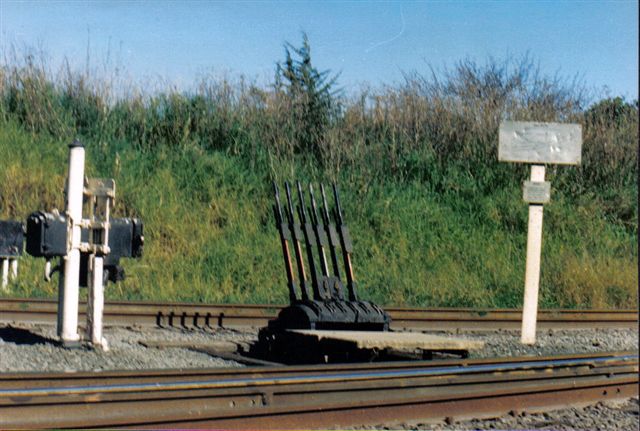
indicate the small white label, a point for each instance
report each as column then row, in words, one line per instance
column 535, row 192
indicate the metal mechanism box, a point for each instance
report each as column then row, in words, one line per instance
column 126, row 239
column 47, row 237
column 323, row 290
column 320, row 299
column 11, row 238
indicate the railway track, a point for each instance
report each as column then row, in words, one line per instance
column 17, row 310
column 314, row 396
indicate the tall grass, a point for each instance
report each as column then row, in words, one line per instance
column 436, row 219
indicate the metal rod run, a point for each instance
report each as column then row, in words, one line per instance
column 21, row 310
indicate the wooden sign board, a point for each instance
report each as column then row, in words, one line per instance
column 536, row 192
column 540, row 143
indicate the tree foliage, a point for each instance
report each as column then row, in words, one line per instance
column 311, row 93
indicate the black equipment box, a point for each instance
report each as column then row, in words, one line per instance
column 11, row 238
column 47, row 237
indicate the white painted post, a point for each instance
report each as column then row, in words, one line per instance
column 537, row 144
column 5, row 272
column 100, row 195
column 95, row 305
column 47, row 270
column 68, row 316
column 9, row 271
column 14, row 269
column 532, row 272
column 60, row 294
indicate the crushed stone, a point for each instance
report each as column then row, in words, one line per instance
column 34, row 348
column 613, row 415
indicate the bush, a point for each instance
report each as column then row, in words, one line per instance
column 436, row 219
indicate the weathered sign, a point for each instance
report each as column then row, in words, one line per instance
column 531, row 142
column 537, row 144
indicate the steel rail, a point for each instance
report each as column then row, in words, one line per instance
column 327, row 397
column 309, row 378
column 18, row 310
column 12, row 380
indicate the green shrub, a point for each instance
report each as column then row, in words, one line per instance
column 436, row 219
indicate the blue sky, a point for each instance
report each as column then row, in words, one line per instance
column 369, row 42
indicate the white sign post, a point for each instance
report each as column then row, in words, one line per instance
column 537, row 144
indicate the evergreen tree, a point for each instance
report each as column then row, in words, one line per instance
column 312, row 95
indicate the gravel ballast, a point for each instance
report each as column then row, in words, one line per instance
column 507, row 343
column 35, row 349
column 615, row 415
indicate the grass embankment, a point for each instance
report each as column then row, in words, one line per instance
column 437, row 221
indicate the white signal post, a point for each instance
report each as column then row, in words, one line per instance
column 100, row 195
column 14, row 269
column 9, row 270
column 537, row 144
column 95, row 303
column 69, row 281
column 5, row 272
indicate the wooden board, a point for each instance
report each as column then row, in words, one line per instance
column 393, row 340
column 540, row 143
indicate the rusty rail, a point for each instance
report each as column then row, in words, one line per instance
column 16, row 380
column 18, row 310
column 315, row 396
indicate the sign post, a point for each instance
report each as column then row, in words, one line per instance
column 537, row 144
